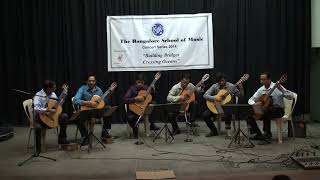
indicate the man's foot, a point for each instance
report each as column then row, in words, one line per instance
column 153, row 127
column 267, row 135
column 105, row 135
column 212, row 133
column 257, row 137
column 63, row 141
column 193, row 124
column 176, row 131
column 82, row 142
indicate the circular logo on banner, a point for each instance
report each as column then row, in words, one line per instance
column 157, row 29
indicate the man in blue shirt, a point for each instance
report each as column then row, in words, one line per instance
column 83, row 97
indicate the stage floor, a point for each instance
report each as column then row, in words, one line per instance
column 205, row 158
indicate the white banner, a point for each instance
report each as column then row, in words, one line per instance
column 160, row 42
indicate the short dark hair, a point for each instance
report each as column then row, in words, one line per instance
column 140, row 77
column 48, row 84
column 220, row 76
column 186, row 76
column 267, row 74
column 91, row 74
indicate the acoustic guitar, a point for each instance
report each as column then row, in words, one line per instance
column 266, row 99
column 139, row 107
column 99, row 100
column 52, row 119
column 189, row 95
column 223, row 97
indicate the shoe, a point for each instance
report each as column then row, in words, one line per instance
column 257, row 137
column 105, row 134
column 82, row 142
column 267, row 135
column 212, row 133
column 263, row 142
column 63, row 141
column 176, row 131
column 153, row 127
column 193, row 124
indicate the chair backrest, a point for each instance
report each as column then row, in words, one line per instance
column 27, row 106
column 289, row 105
column 73, row 105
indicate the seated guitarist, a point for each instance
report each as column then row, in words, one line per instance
column 275, row 111
column 174, row 97
column 83, row 97
column 209, row 95
column 41, row 100
column 131, row 96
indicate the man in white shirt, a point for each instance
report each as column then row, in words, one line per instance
column 275, row 111
column 40, row 102
column 174, row 96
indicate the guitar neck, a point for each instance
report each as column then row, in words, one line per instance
column 149, row 88
column 104, row 95
column 230, row 89
column 272, row 89
column 60, row 101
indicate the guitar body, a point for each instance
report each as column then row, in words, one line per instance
column 51, row 120
column 191, row 98
column 212, row 106
column 224, row 100
column 266, row 103
column 139, row 107
column 94, row 99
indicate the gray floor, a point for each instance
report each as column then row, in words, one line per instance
column 204, row 157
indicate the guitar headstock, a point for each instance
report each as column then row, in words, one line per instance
column 243, row 78
column 65, row 88
column 205, row 77
column 157, row 76
column 113, row 86
column 282, row 79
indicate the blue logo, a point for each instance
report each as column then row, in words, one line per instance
column 157, row 29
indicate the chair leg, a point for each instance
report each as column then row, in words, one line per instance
column 31, row 129
column 292, row 128
column 146, row 125
column 279, row 131
column 128, row 130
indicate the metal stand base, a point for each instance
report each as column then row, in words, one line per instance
column 35, row 156
column 89, row 137
column 167, row 131
column 237, row 136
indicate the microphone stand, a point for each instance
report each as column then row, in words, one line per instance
column 35, row 153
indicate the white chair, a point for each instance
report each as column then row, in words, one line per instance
column 288, row 110
column 27, row 106
column 145, row 121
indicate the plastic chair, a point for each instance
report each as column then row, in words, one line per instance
column 288, row 110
